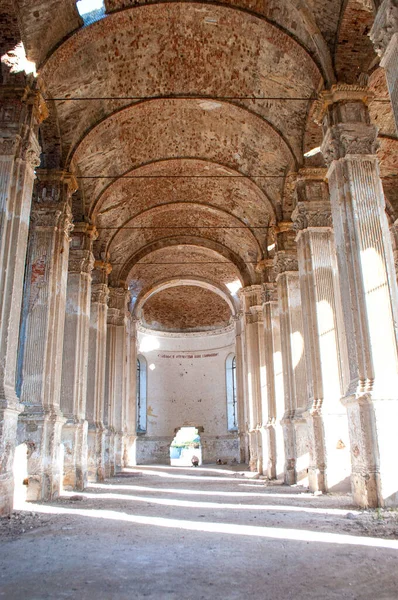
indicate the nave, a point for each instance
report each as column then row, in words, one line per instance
column 212, row 532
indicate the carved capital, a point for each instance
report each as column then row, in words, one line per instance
column 312, row 214
column 385, row 26
column 118, row 299
column 101, row 271
column 284, row 262
column 270, row 292
column 99, row 293
column 83, row 236
column 54, row 186
column 348, row 139
column 250, row 296
column 80, row 261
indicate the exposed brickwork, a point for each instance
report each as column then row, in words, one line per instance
column 186, row 308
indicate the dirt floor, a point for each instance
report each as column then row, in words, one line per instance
column 191, row 534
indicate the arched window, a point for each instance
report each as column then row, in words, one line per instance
column 232, row 401
column 141, row 394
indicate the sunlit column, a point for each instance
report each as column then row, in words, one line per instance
column 293, row 356
column 368, row 292
column 384, row 35
column 269, row 412
column 42, row 331
column 20, row 112
column 327, row 420
column 96, row 372
column 116, row 380
column 75, row 356
column 251, row 301
column 240, row 393
column 131, row 392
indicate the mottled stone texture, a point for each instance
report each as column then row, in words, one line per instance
column 384, row 35
column 42, row 330
column 96, row 372
column 75, row 356
column 293, row 359
column 325, row 349
column 19, row 151
column 369, row 293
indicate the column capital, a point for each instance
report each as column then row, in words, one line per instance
column 285, row 262
column 101, row 271
column 80, row 261
column 270, row 292
column 346, row 123
column 385, row 26
column 118, row 299
column 52, row 216
column 99, row 293
column 53, row 185
column 308, row 215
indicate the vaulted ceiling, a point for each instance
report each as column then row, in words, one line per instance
column 184, row 122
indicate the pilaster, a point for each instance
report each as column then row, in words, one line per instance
column 19, row 155
column 368, row 293
column 293, row 356
column 75, row 355
column 384, row 35
column 321, row 308
column 96, row 371
column 42, row 331
column 251, row 302
column 116, row 393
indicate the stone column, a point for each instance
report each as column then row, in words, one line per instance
column 239, row 354
column 20, row 113
column 251, row 299
column 368, row 291
column 384, row 35
column 325, row 354
column 75, row 356
column 116, row 376
column 269, row 411
column 42, row 331
column 131, row 392
column 96, row 371
column 293, row 357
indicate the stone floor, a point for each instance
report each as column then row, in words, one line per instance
column 190, row 534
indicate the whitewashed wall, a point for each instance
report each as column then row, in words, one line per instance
column 186, row 386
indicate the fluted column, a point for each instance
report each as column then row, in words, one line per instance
column 116, row 396
column 96, row 372
column 131, row 392
column 20, row 113
column 368, row 291
column 241, row 406
column 325, row 354
column 75, row 356
column 293, row 357
column 42, row 331
column 384, row 35
column 251, row 300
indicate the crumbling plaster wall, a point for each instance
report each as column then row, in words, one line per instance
column 186, row 387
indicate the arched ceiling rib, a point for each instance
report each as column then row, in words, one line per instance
column 123, row 271
column 183, row 306
column 165, row 129
column 181, row 262
column 173, row 49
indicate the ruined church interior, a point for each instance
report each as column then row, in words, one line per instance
column 198, row 299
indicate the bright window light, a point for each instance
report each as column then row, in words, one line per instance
column 87, row 6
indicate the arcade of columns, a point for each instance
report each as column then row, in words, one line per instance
column 316, row 341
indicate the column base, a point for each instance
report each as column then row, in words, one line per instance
column 129, row 450
column 41, row 432
column 74, row 439
column 110, row 467
column 289, row 436
column 96, row 452
column 255, row 459
column 119, row 451
column 8, row 434
column 269, row 442
column 374, row 448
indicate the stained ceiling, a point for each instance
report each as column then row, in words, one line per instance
column 184, row 123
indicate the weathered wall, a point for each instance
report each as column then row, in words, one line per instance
column 186, row 387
